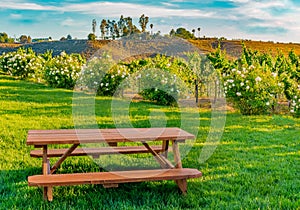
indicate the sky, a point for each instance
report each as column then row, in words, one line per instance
column 266, row 20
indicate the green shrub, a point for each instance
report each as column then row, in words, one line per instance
column 23, row 63
column 295, row 101
column 159, row 86
column 63, row 71
column 253, row 90
column 155, row 78
column 103, row 76
column 162, row 79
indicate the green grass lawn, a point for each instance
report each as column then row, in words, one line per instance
column 255, row 166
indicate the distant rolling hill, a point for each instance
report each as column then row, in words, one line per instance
column 88, row 48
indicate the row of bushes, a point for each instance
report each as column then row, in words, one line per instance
column 59, row 71
column 161, row 79
column 254, row 83
column 101, row 74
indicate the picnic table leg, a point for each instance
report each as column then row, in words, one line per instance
column 46, row 170
column 181, row 183
column 164, row 162
column 165, row 148
column 176, row 152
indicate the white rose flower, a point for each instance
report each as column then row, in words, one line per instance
column 251, row 67
column 258, row 79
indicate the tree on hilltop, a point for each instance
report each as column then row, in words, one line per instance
column 112, row 29
column 91, row 36
column 172, row 32
column 121, row 25
column 3, row 37
column 25, row 39
column 103, row 28
column 94, row 25
column 69, row 37
column 151, row 27
column 143, row 21
column 183, row 33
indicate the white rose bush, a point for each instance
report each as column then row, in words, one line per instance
column 163, row 79
column 24, row 64
column 295, row 102
column 103, row 76
column 257, row 81
column 252, row 89
column 60, row 71
column 63, row 71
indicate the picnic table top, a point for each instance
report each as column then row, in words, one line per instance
column 81, row 136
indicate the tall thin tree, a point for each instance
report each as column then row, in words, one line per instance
column 103, row 28
column 143, row 21
column 129, row 24
column 121, row 25
column 151, row 27
column 94, row 25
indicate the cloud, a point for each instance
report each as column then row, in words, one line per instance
column 111, row 9
column 69, row 22
column 266, row 30
column 16, row 16
column 265, row 16
column 176, row 1
column 19, row 5
column 167, row 4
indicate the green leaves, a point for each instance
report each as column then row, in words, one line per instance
column 257, row 81
column 63, row 71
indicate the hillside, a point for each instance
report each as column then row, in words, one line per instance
column 234, row 47
column 88, row 48
column 69, row 46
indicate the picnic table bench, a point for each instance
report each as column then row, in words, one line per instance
column 48, row 179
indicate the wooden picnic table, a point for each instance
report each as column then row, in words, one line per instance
column 76, row 137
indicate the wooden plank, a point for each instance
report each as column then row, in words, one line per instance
column 106, row 130
column 63, row 157
column 72, row 136
column 96, row 151
column 112, row 177
column 45, row 168
column 164, row 163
